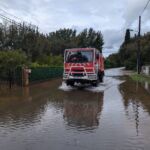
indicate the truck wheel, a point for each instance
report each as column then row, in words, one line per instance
column 70, row 83
column 95, row 83
column 101, row 76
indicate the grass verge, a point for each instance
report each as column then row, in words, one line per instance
column 140, row 77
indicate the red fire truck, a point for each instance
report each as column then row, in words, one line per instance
column 83, row 65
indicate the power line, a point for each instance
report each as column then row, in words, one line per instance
column 145, row 7
column 19, row 24
column 8, row 19
column 11, row 15
column 14, row 21
column 141, row 12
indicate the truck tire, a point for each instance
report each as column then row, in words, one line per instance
column 95, row 83
column 70, row 83
column 101, row 76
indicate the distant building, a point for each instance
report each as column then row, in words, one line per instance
column 146, row 70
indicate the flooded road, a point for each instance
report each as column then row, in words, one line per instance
column 51, row 116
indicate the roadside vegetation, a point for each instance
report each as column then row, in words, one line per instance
column 127, row 55
column 10, row 61
column 46, row 48
column 140, row 78
column 25, row 45
column 113, row 61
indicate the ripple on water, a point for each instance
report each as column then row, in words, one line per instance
column 108, row 82
column 91, row 118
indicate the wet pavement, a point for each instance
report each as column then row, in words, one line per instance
column 51, row 116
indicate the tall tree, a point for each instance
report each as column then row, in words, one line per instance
column 91, row 38
column 127, row 36
column 35, row 44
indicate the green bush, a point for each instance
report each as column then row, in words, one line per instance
column 49, row 61
column 130, row 65
column 37, row 65
column 140, row 77
column 12, row 59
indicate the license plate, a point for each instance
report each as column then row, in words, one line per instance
column 78, row 77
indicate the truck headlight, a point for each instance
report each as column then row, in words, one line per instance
column 65, row 75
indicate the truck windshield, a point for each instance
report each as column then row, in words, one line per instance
column 79, row 56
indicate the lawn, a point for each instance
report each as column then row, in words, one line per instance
column 140, row 77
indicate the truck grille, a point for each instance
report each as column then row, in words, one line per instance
column 77, row 70
column 78, row 74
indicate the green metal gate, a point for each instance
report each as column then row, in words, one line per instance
column 45, row 73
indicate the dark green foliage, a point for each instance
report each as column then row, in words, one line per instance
column 62, row 39
column 10, row 61
column 35, row 44
column 40, row 50
column 127, row 55
column 43, row 52
column 90, row 38
column 107, row 63
column 112, row 61
column 50, row 60
column 128, row 52
column 127, row 36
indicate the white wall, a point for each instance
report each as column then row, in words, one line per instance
column 146, row 70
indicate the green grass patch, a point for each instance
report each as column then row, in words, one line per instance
column 140, row 77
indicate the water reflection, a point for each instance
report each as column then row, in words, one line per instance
column 135, row 98
column 43, row 117
column 22, row 107
column 25, row 106
column 82, row 109
column 147, row 86
column 135, row 93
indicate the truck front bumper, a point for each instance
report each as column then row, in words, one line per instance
column 86, row 77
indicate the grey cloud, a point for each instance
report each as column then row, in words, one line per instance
column 113, row 40
column 133, row 9
column 111, row 17
column 113, row 37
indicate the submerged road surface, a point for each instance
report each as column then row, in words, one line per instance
column 51, row 116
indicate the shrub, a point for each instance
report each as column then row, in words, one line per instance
column 11, row 60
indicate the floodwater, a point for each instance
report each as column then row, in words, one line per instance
column 51, row 116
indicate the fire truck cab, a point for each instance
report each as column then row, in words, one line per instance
column 83, row 65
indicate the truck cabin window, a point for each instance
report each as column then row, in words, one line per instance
column 79, row 56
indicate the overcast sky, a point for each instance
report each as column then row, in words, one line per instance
column 112, row 17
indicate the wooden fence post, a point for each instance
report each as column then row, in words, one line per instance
column 25, row 75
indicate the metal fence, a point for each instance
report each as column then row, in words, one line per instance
column 38, row 74
column 9, row 76
column 45, row 73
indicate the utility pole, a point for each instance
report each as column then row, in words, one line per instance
column 139, row 48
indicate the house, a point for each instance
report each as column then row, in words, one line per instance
column 146, row 70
